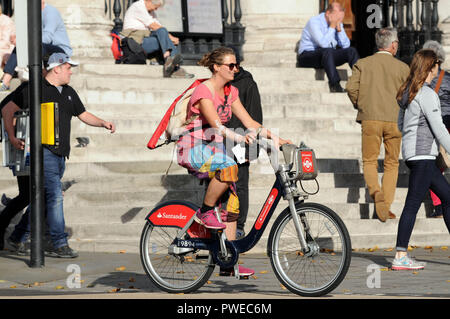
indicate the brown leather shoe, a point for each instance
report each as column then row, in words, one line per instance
column 381, row 208
column 382, row 211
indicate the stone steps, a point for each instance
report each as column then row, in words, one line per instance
column 115, row 181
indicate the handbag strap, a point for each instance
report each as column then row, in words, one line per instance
column 438, row 84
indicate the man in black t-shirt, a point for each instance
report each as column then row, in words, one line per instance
column 55, row 88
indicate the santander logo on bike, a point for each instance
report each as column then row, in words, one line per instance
column 307, row 162
column 171, row 216
column 267, row 206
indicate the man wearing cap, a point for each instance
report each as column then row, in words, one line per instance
column 56, row 89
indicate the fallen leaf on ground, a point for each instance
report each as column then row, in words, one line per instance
column 415, row 273
column 59, row 287
column 13, row 287
column 263, row 272
column 121, row 268
column 254, row 277
column 283, row 287
column 122, row 251
column 114, row 290
column 444, row 247
column 428, row 247
column 373, row 249
column 131, row 279
column 389, row 249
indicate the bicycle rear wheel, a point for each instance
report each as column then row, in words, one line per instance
column 181, row 272
column 322, row 269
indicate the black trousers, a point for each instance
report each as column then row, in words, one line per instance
column 17, row 204
column 328, row 59
column 242, row 193
column 424, row 175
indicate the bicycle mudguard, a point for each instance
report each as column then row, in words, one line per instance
column 174, row 213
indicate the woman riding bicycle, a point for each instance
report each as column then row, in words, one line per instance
column 202, row 150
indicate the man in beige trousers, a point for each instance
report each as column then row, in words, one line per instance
column 372, row 88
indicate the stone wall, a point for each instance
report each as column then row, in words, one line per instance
column 87, row 27
column 273, row 29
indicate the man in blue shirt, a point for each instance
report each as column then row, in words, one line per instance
column 54, row 39
column 324, row 44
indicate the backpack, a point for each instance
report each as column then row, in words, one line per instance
column 132, row 52
column 175, row 119
column 115, row 46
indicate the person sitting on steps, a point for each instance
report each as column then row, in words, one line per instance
column 140, row 24
column 324, row 44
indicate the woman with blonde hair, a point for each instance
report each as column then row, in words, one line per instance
column 201, row 149
column 420, row 122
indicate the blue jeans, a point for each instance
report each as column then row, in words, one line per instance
column 54, row 167
column 424, row 175
column 159, row 40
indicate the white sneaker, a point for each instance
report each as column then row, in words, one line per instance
column 407, row 263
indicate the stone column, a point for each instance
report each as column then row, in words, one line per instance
column 87, row 26
column 273, row 29
column 445, row 28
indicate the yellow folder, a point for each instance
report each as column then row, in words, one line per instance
column 49, row 123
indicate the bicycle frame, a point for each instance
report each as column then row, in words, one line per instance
column 180, row 214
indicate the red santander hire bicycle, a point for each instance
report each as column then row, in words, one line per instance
column 309, row 246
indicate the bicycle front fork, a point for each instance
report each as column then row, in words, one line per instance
column 298, row 227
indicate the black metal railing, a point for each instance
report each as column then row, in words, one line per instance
column 415, row 20
column 400, row 15
column 193, row 47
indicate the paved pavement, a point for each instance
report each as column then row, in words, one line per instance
column 120, row 275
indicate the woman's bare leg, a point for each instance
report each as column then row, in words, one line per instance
column 215, row 190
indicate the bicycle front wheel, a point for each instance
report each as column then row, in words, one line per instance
column 322, row 268
column 174, row 272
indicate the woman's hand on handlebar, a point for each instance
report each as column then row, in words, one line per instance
column 283, row 141
column 278, row 142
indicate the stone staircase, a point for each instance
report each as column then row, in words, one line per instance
column 115, row 181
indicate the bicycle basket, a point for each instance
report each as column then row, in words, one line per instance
column 303, row 159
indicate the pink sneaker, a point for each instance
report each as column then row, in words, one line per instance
column 243, row 272
column 208, row 220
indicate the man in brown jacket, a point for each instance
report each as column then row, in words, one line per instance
column 372, row 88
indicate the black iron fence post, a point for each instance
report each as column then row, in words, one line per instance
column 436, row 34
column 117, row 10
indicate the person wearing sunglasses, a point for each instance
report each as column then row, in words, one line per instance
column 423, row 130
column 202, row 149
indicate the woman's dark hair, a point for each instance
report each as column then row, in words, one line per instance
column 421, row 65
column 216, row 56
